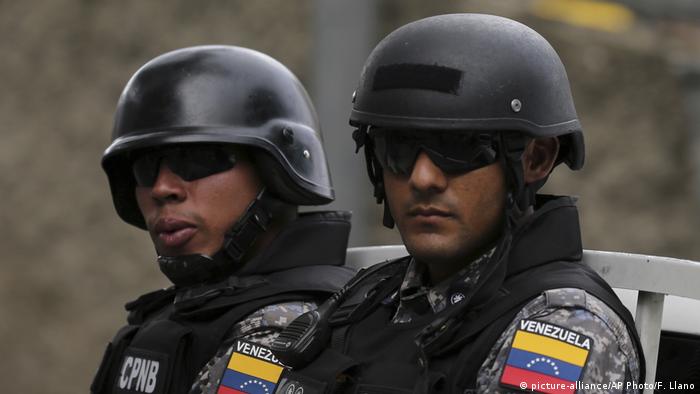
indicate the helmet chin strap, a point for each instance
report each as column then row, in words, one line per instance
column 192, row 269
column 374, row 170
column 521, row 197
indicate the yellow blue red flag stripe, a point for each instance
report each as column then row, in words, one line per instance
column 552, row 347
column 547, row 357
column 252, row 369
column 546, row 365
column 245, row 383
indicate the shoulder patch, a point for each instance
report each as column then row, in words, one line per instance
column 252, row 368
column 545, row 358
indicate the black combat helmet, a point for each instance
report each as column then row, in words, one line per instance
column 227, row 95
column 469, row 72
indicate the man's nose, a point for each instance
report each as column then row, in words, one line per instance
column 168, row 185
column 426, row 176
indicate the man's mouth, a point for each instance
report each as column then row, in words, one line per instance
column 428, row 211
column 173, row 233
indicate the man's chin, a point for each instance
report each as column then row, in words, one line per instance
column 175, row 252
column 431, row 248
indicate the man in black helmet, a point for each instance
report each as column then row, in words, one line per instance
column 462, row 118
column 213, row 149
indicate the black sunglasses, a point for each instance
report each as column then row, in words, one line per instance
column 452, row 152
column 189, row 162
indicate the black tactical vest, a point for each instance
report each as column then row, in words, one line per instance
column 172, row 333
column 442, row 353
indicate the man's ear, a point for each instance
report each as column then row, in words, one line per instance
column 539, row 158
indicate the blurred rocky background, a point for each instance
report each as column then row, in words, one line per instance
column 68, row 262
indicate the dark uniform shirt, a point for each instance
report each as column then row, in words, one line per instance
column 415, row 294
column 611, row 360
column 265, row 324
column 182, row 328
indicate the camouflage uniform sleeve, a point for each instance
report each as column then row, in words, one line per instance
column 261, row 326
column 612, row 358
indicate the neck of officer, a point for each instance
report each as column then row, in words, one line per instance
column 440, row 268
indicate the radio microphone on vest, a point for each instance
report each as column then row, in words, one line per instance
column 307, row 335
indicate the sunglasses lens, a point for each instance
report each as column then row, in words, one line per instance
column 395, row 152
column 200, row 162
column 452, row 153
column 477, row 157
column 145, row 169
column 189, row 163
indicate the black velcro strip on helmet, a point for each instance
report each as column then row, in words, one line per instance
column 417, row 76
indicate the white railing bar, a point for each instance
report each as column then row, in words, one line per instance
column 650, row 309
column 653, row 274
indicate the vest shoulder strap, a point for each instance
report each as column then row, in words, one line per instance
column 368, row 289
column 144, row 306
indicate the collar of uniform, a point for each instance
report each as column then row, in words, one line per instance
column 415, row 291
column 295, row 247
column 551, row 233
column 191, row 297
column 297, row 244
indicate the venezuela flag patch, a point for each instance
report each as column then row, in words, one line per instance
column 545, row 358
column 251, row 369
